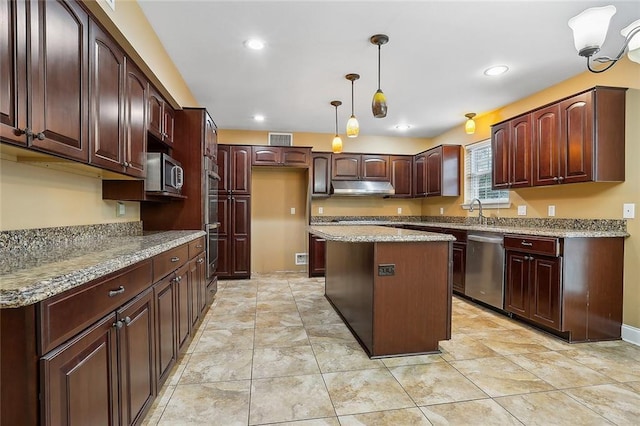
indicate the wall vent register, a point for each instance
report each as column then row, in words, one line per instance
column 281, row 139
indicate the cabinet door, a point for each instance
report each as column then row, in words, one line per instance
column 223, row 267
column 345, row 166
column 266, row 155
column 80, row 379
column 434, row 172
column 194, row 289
column 202, row 284
column 166, row 353
column 420, row 175
column 13, row 101
column 517, row 284
column 501, row 155
column 106, row 88
column 183, row 305
column 520, row 152
column 546, row 146
column 459, row 259
column 222, row 159
column 321, row 174
column 241, row 236
column 137, row 357
column 135, row 109
column 375, row 167
column 58, row 32
column 317, row 247
column 576, row 149
column 210, row 137
column 401, row 175
column 545, row 290
column 296, row 157
column 240, row 169
column 168, row 124
column 154, row 122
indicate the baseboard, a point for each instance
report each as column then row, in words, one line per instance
column 631, row 334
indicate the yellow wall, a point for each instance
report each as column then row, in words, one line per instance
column 276, row 234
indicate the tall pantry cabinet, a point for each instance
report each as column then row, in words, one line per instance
column 234, row 211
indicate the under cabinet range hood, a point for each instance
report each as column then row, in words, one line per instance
column 371, row 188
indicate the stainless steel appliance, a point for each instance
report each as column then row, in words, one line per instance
column 164, row 174
column 484, row 274
column 212, row 224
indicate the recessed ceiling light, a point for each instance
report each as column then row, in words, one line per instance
column 403, row 127
column 254, row 44
column 496, row 70
column 258, row 117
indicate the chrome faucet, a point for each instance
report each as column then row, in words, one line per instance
column 480, row 216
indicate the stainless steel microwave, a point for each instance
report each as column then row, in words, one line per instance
column 164, row 174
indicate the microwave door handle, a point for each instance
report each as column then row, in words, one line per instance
column 179, row 173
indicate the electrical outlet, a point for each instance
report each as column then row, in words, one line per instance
column 441, row 210
column 120, row 209
column 386, row 270
column 551, row 211
column 293, row 210
column 320, row 210
column 629, row 211
column 522, row 210
column 399, row 210
column 301, row 258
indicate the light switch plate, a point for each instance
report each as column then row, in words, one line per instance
column 441, row 210
column 629, row 211
column 522, row 210
column 399, row 210
column 293, row 210
column 320, row 210
column 120, row 209
column 551, row 211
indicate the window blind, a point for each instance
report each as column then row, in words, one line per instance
column 478, row 175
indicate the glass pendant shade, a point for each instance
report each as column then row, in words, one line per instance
column 353, row 127
column 470, row 126
column 590, row 29
column 336, row 145
column 634, row 43
column 379, row 104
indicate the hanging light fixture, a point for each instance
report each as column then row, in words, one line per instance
column 470, row 125
column 379, row 103
column 336, row 145
column 590, row 30
column 353, row 128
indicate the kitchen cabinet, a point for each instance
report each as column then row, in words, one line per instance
column 210, row 138
column 320, row 174
column 166, row 342
column 161, row 118
column 198, row 280
column 360, row 167
column 401, row 175
column 183, row 305
column 317, row 247
column 118, row 93
column 234, row 168
column 46, row 56
column 437, row 172
column 280, row 156
column 511, row 153
column 569, row 286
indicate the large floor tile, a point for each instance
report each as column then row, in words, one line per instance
column 397, row 361
column 229, row 322
column 616, row 402
column 518, row 341
column 222, row 365
column 329, row 333
column 462, row 346
column 280, row 337
column 499, row 376
column 213, row 340
column 435, row 383
column 288, row 361
column 612, row 363
column 405, row 416
column 334, row 357
column 478, row 412
column 274, row 319
column 198, row 404
column 550, row 408
column 364, row 391
column 289, row 398
column 326, row 421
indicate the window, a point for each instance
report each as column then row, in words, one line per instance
column 477, row 171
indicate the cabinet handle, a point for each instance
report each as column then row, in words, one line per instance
column 524, row 243
column 27, row 131
column 175, row 259
column 555, row 178
column 118, row 324
column 561, row 178
column 120, row 290
column 320, row 240
column 200, row 260
column 199, row 246
column 127, row 320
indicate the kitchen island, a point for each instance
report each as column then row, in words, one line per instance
column 392, row 287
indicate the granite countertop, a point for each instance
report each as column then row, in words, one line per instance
column 544, row 232
column 30, row 277
column 376, row 234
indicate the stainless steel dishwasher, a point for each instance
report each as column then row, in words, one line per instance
column 484, row 273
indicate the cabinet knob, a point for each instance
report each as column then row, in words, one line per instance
column 40, row 136
column 175, row 259
column 200, row 260
column 561, row 178
column 127, row 320
column 118, row 324
column 555, row 178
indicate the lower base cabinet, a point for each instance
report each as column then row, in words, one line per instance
column 317, row 247
column 166, row 345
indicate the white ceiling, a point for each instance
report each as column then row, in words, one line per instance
column 432, row 67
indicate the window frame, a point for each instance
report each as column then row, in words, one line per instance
column 470, row 191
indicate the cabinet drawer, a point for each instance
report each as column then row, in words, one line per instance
column 196, row 247
column 460, row 234
column 538, row 245
column 169, row 261
column 66, row 314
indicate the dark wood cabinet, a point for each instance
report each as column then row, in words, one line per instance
column 161, row 119
column 360, row 167
column 317, row 247
column 166, row 341
column 183, row 293
column 511, row 154
column 234, row 168
column 320, row 174
column 436, row 172
column 210, row 138
column 401, row 175
column 280, row 156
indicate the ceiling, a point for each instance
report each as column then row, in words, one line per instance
column 432, row 67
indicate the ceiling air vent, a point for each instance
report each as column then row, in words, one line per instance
column 281, row 139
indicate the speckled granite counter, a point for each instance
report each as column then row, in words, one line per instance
column 374, row 234
column 30, row 277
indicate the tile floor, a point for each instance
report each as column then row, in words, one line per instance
column 272, row 350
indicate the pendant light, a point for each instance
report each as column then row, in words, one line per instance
column 353, row 128
column 336, row 145
column 470, row 125
column 379, row 103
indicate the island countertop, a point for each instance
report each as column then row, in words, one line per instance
column 375, row 234
column 28, row 278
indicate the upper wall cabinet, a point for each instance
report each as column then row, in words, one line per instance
column 280, row 156
column 210, row 138
column 321, row 174
column 436, row 172
column 511, row 150
column 54, row 118
column 360, row 167
column 161, row 118
column 401, row 175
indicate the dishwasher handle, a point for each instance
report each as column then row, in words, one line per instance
column 485, row 239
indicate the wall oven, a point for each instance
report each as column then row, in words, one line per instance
column 211, row 216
